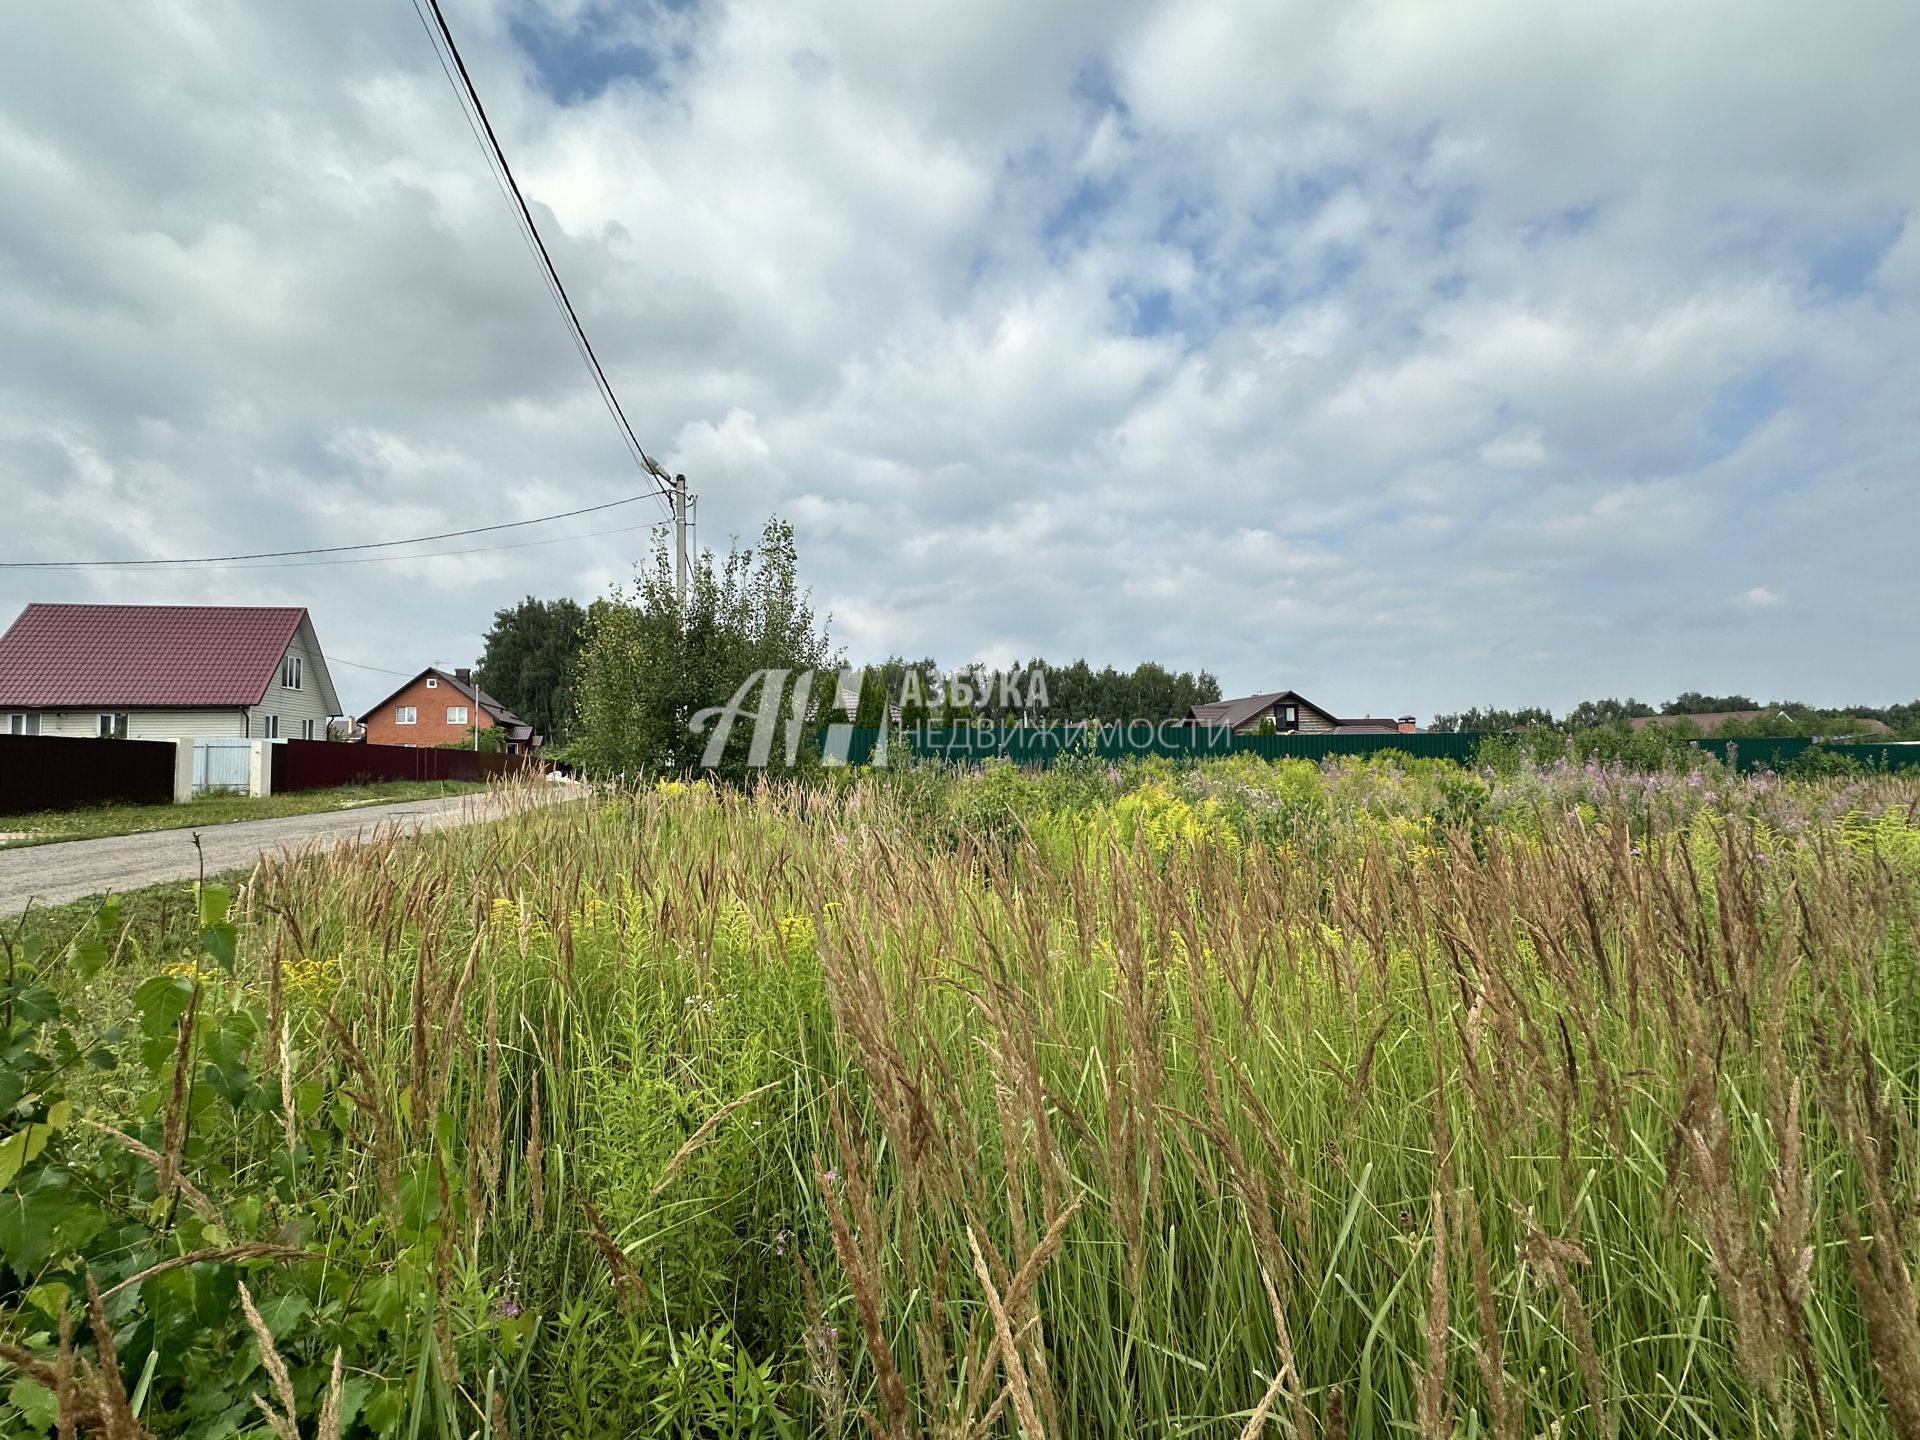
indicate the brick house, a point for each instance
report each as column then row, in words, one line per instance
column 1291, row 714
column 442, row 707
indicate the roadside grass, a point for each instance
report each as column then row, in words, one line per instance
column 100, row 821
column 154, row 919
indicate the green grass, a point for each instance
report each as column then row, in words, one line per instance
column 1507, row 1108
column 98, row 821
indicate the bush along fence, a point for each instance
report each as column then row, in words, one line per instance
column 1041, row 746
column 52, row 772
column 319, row 764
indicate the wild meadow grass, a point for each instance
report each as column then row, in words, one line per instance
column 1239, row 1100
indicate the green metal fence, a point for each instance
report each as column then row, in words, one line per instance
column 1042, row 745
column 1756, row 753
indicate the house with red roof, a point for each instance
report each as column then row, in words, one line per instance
column 165, row 672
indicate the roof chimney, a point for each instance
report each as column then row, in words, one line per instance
column 465, row 677
column 1407, row 725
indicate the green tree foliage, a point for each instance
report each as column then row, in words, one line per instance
column 1692, row 702
column 648, row 668
column 1492, row 721
column 529, row 661
column 1074, row 692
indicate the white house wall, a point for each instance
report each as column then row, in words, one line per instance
column 147, row 724
column 309, row 702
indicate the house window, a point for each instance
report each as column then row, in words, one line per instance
column 290, row 669
column 23, row 724
column 306, row 728
column 433, row 684
column 1291, row 716
column 456, row 714
column 113, row 726
column 406, row 715
column 269, row 727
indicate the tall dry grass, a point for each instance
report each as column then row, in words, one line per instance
column 1599, row 1130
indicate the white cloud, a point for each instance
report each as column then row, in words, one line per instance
column 1414, row 356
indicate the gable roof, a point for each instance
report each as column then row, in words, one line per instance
column 1232, row 714
column 1235, row 713
column 502, row 716
column 148, row 656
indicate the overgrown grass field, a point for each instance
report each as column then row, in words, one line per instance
column 1247, row 1099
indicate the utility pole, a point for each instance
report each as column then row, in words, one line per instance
column 680, row 539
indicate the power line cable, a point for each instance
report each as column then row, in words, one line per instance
column 338, row 549
column 531, row 239
column 394, row 559
column 497, row 155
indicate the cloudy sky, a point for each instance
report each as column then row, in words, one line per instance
column 1409, row 355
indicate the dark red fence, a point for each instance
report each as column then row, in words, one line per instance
column 53, row 772
column 317, row 764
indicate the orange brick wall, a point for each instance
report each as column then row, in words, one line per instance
column 431, row 706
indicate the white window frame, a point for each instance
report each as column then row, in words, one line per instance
column 432, row 684
column 306, row 728
column 112, row 724
column 23, row 722
column 406, row 714
column 269, row 727
column 456, row 714
column 292, row 672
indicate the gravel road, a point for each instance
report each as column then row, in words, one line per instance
column 55, row 874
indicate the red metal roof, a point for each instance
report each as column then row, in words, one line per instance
column 136, row 656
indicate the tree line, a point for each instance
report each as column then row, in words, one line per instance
column 1774, row 718
column 620, row 683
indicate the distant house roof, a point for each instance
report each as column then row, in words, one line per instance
column 1235, row 713
column 517, row 729
column 1232, row 714
column 185, row 657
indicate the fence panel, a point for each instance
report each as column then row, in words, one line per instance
column 1042, row 745
column 53, row 772
column 221, row 765
column 320, row 764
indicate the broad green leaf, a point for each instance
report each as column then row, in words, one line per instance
column 50, row 1300
column 35, row 1403
column 227, row 1042
column 89, row 957
column 161, row 1002
column 214, row 900
column 21, row 1148
column 283, row 1312
column 220, row 941
column 27, row 1220
column 35, row 1004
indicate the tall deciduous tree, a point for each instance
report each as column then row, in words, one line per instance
column 529, row 660
column 650, row 666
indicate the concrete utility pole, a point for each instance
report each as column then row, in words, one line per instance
column 680, row 563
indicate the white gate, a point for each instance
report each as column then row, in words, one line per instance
column 221, row 765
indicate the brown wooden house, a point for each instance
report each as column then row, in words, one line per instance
column 1291, row 714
